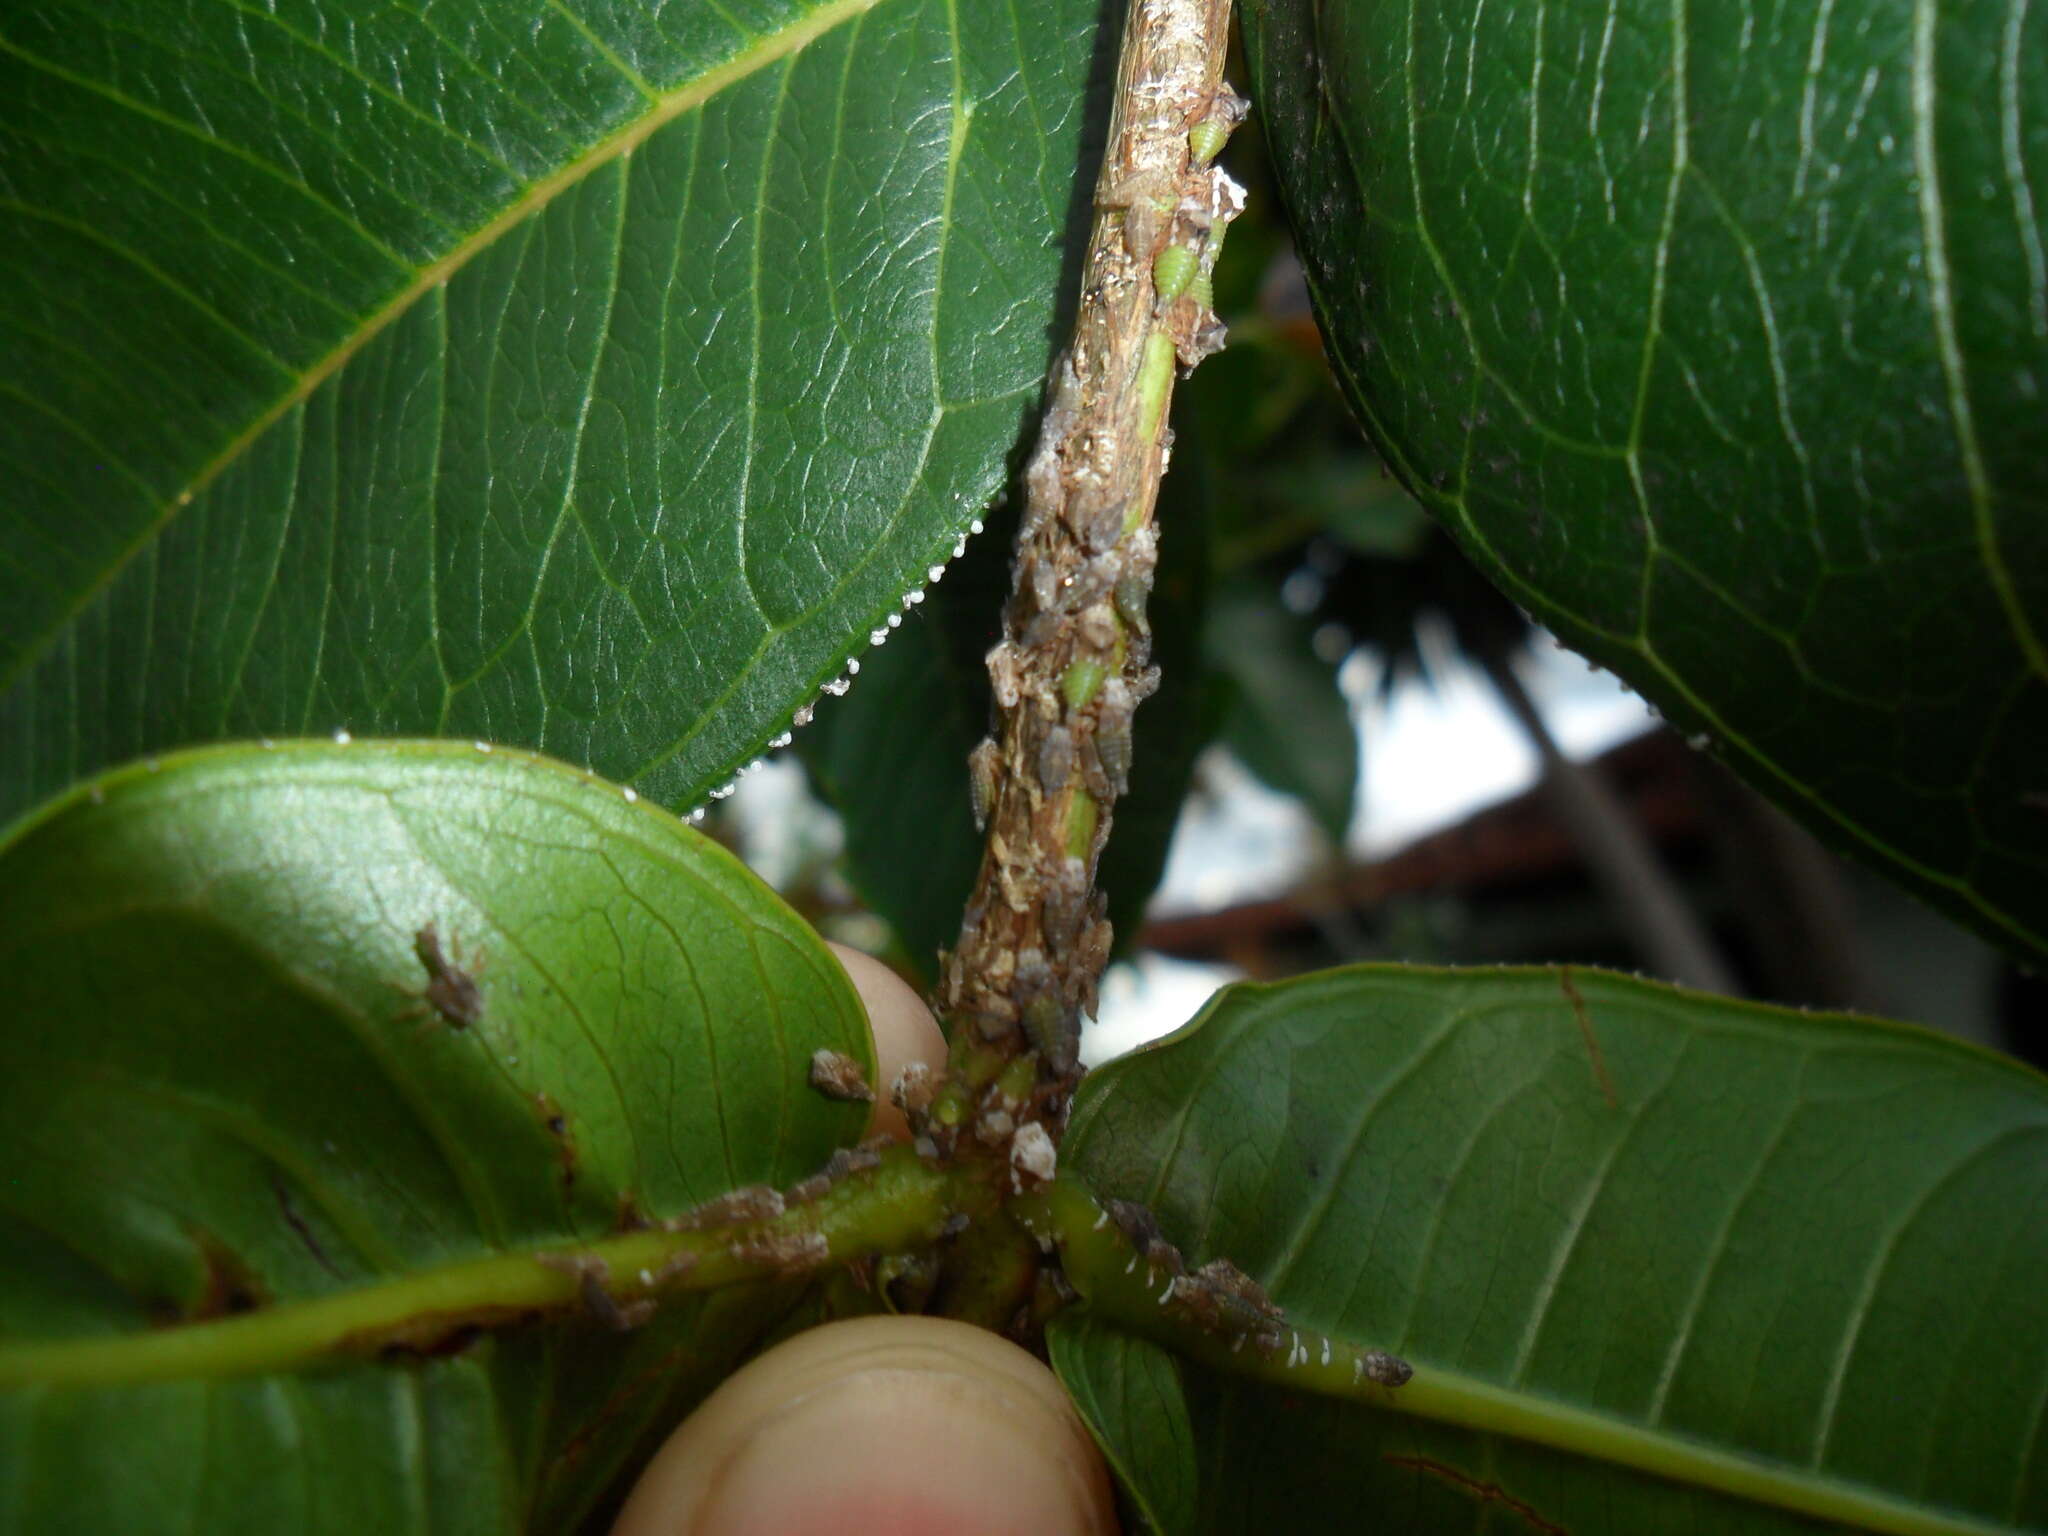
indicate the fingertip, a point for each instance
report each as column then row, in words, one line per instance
column 904, row 1031
column 909, row 1425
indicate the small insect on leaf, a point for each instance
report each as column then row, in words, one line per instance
column 838, row 1076
column 451, row 991
column 1388, row 1370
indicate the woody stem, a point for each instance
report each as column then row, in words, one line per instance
column 1073, row 662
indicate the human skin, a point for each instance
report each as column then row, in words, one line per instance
column 896, row 1426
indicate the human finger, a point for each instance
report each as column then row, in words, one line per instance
column 912, row 1426
column 904, row 1029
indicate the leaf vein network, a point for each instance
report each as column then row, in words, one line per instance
column 1881, row 1259
column 179, row 125
column 1941, row 306
column 1575, row 1227
column 1717, row 1248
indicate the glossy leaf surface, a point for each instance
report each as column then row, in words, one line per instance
column 1129, row 1392
column 231, row 1087
column 1719, row 337
column 1811, row 1241
column 586, row 378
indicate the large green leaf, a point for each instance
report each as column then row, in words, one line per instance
column 1129, row 1391
column 222, row 1092
column 1719, row 335
column 591, row 377
column 1632, row 1226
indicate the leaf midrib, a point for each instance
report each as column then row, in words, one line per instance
column 1119, row 1291
column 662, row 109
column 900, row 1205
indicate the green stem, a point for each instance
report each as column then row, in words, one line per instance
column 1123, row 1291
column 900, row 1204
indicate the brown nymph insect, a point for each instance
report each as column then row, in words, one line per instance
column 451, row 990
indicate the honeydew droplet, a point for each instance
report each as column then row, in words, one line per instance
column 723, row 792
column 342, row 738
column 837, row 687
column 783, row 740
column 877, row 636
column 852, row 667
column 630, row 793
column 975, row 526
column 481, row 746
column 936, row 572
column 912, row 599
column 895, row 619
column 959, row 547
column 801, row 718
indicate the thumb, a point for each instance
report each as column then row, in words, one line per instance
column 904, row 1425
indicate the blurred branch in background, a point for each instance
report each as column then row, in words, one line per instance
column 1646, row 904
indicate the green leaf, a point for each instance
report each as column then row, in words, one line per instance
column 1286, row 719
column 228, row 1095
column 1719, row 338
column 1613, row 1226
column 590, row 378
column 892, row 755
column 1129, row 1391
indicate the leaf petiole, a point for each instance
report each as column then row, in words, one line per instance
column 901, row 1202
column 1131, row 1291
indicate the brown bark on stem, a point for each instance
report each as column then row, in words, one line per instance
column 1073, row 661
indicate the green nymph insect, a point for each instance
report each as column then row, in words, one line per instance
column 1172, row 270
column 1206, row 139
